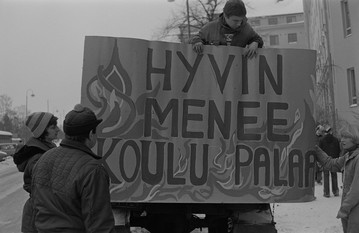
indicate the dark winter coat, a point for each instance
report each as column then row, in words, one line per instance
column 214, row 33
column 330, row 145
column 25, row 159
column 70, row 189
column 349, row 209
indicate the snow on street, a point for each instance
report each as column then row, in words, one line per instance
column 318, row 216
column 12, row 197
column 312, row 217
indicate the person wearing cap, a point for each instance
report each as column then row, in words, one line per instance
column 70, row 186
column 43, row 126
column 349, row 164
column 230, row 29
column 330, row 145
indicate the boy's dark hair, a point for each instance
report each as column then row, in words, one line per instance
column 234, row 8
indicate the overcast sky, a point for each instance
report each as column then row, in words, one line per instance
column 41, row 41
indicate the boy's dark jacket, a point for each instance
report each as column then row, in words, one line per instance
column 26, row 157
column 216, row 33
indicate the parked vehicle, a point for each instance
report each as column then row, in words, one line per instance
column 3, row 155
column 17, row 140
column 9, row 148
column 214, row 134
column 5, row 136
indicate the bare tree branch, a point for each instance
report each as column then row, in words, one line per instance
column 200, row 13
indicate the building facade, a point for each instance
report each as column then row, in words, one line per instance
column 281, row 31
column 333, row 32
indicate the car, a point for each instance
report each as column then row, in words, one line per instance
column 3, row 155
column 9, row 148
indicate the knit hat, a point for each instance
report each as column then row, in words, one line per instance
column 80, row 121
column 37, row 122
column 235, row 7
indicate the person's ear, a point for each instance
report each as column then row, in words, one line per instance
column 92, row 136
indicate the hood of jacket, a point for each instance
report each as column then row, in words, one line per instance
column 32, row 147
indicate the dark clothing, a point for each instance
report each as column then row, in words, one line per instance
column 331, row 146
column 25, row 159
column 70, row 189
column 318, row 173
column 318, row 166
column 217, row 32
column 334, row 177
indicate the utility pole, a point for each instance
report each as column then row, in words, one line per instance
column 32, row 95
column 187, row 16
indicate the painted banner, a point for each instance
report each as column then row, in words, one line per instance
column 210, row 128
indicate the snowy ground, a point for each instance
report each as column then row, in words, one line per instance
column 312, row 217
column 8, row 162
column 318, row 216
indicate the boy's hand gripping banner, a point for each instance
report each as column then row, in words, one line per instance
column 210, row 128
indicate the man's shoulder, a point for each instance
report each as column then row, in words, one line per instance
column 211, row 24
column 67, row 156
column 64, row 159
column 247, row 28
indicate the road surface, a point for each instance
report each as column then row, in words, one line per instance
column 12, row 197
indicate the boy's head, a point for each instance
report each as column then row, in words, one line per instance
column 234, row 8
column 80, row 123
column 38, row 122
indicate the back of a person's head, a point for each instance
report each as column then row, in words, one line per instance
column 235, row 8
column 352, row 132
column 79, row 122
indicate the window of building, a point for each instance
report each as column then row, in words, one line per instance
column 255, row 22
column 353, row 98
column 274, row 40
column 291, row 19
column 272, row 21
column 346, row 18
column 292, row 38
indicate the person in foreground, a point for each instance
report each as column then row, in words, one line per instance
column 70, row 186
column 43, row 126
column 231, row 29
column 349, row 209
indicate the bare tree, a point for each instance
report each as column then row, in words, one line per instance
column 5, row 104
column 200, row 13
